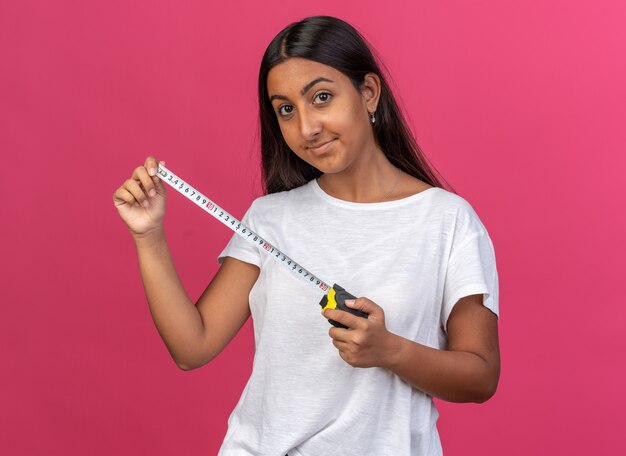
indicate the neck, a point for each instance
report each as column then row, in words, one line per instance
column 369, row 181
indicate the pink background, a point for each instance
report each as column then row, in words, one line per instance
column 519, row 104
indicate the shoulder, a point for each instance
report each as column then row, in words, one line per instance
column 452, row 201
column 280, row 201
column 286, row 196
column 458, row 211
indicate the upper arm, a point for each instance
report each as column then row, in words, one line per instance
column 224, row 306
column 473, row 328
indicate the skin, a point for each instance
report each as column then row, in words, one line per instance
column 334, row 114
column 193, row 333
column 325, row 120
column 354, row 166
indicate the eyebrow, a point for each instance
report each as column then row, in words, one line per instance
column 304, row 90
column 307, row 87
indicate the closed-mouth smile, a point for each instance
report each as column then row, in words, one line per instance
column 320, row 147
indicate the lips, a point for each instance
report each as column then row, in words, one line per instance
column 321, row 147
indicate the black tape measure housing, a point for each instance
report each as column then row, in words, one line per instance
column 336, row 299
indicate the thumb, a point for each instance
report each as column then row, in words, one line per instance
column 364, row 304
column 158, row 182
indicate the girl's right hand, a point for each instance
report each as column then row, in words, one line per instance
column 140, row 200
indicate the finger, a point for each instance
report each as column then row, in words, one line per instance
column 339, row 335
column 340, row 345
column 344, row 356
column 123, row 196
column 151, row 165
column 365, row 305
column 158, row 184
column 135, row 189
column 147, row 183
column 161, row 162
column 343, row 317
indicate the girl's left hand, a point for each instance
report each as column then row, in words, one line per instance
column 366, row 342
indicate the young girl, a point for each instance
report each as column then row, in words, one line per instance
column 351, row 197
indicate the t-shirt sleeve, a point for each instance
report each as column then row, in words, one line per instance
column 471, row 270
column 240, row 248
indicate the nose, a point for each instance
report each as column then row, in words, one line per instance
column 310, row 125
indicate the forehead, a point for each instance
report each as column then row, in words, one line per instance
column 290, row 76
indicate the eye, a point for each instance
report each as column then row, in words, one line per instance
column 285, row 110
column 322, row 97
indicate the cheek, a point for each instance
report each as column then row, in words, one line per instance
column 289, row 135
column 352, row 119
column 353, row 127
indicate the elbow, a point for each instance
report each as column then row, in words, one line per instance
column 188, row 365
column 189, row 360
column 479, row 389
column 484, row 395
column 193, row 359
column 185, row 367
column 487, row 391
column 478, row 395
column 488, row 384
column 185, row 364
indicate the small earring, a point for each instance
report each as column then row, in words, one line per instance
column 373, row 117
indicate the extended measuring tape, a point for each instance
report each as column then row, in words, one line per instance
column 334, row 297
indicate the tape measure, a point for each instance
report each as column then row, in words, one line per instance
column 334, row 297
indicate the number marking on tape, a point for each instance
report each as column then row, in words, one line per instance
column 242, row 230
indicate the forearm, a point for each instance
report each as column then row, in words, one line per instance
column 453, row 376
column 176, row 317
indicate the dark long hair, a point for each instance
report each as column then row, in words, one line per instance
column 337, row 44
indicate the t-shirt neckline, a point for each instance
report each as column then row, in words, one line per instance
column 380, row 205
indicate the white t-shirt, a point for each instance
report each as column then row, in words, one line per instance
column 415, row 257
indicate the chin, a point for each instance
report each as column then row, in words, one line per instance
column 327, row 165
column 328, row 169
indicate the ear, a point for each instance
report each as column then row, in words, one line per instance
column 370, row 90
